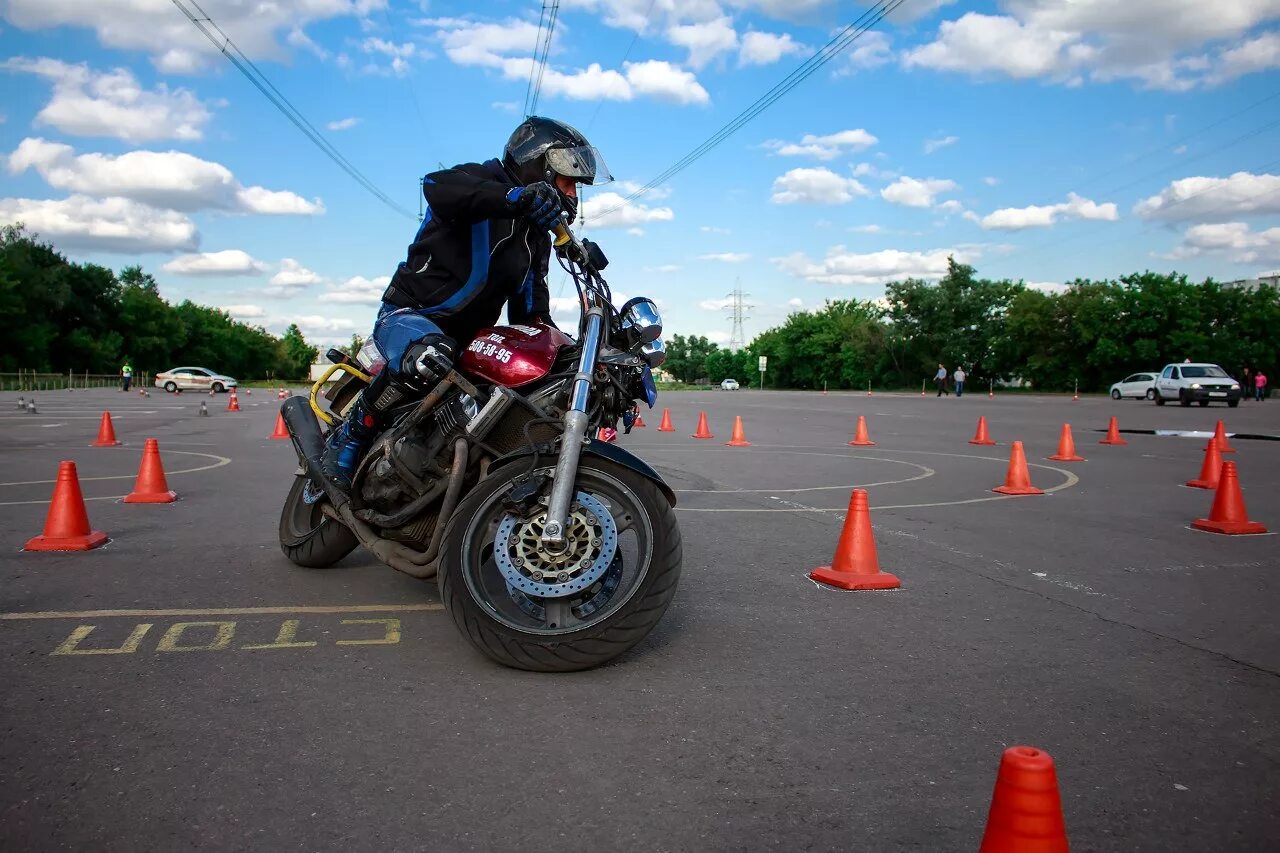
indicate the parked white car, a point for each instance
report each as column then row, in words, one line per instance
column 1201, row 383
column 1137, row 385
column 729, row 385
column 194, row 379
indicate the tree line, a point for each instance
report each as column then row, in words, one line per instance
column 59, row 316
column 1091, row 332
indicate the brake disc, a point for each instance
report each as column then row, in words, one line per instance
column 591, row 540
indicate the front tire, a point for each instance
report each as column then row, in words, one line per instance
column 1159, row 399
column 1233, row 403
column 1115, row 393
column 218, row 388
column 612, row 615
column 308, row 537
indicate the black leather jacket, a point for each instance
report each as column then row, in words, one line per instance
column 471, row 255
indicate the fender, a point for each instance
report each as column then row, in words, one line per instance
column 608, row 451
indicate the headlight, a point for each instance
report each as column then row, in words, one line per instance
column 641, row 321
column 1195, row 386
column 654, row 353
column 1235, row 387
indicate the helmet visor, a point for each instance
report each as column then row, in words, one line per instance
column 583, row 163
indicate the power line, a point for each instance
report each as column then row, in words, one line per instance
column 245, row 66
column 806, row 69
column 541, row 51
column 626, row 54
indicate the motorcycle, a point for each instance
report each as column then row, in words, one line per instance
column 553, row 550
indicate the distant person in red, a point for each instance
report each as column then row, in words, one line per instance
column 1260, row 386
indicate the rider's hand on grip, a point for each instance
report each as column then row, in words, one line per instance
column 538, row 202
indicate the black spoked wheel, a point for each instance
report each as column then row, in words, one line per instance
column 531, row 609
column 307, row 536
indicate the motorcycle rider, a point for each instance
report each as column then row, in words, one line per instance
column 483, row 242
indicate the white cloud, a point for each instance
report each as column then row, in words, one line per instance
column 357, row 290
column 629, row 187
column 610, row 210
column 932, row 145
column 291, row 278
column 245, row 312
column 715, row 304
column 868, row 169
column 664, row 81
column 951, row 206
column 843, row 267
column 916, row 192
column 113, row 103
column 506, row 106
column 167, row 179
column 767, row 48
column 343, row 123
column 1200, row 198
column 726, row 257
column 1159, row 43
column 871, row 50
column 795, row 302
column 827, row 147
column 398, row 56
column 296, row 38
column 815, row 186
column 318, row 328
column 174, row 44
column 712, row 229
column 866, row 229
column 704, row 41
column 1235, row 241
column 990, row 181
column 1042, row 216
column 663, row 268
column 105, row 225
column 224, row 263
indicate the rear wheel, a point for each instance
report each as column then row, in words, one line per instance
column 308, row 537
column 1151, row 393
column 530, row 609
column 171, row 386
column 1203, row 403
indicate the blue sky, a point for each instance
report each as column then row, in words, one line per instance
column 1036, row 139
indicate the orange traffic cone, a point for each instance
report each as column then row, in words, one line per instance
column 1210, row 470
column 1113, row 433
column 1017, row 481
column 233, row 405
column 106, row 433
column 981, row 437
column 150, row 487
column 666, row 426
column 639, row 424
column 66, row 527
column 739, row 437
column 855, row 565
column 281, row 431
column 1066, row 447
column 702, row 431
column 1228, row 514
column 1026, row 810
column 860, row 436
column 1220, row 436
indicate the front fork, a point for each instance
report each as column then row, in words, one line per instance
column 575, row 434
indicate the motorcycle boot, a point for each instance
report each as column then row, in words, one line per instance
column 424, row 363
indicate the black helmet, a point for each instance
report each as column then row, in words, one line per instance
column 542, row 147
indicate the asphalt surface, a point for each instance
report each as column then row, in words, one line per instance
column 764, row 712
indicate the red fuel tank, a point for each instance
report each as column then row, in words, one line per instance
column 513, row 355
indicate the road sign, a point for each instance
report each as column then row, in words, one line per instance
column 764, row 362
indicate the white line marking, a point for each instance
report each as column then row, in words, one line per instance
column 218, row 463
column 224, row 611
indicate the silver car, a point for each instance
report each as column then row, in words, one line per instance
column 1138, row 385
column 194, row 379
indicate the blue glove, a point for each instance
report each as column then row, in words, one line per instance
column 538, row 202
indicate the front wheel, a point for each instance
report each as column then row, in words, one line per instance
column 531, row 609
column 1183, row 400
column 218, row 388
column 1159, row 399
column 308, row 537
column 1233, row 403
column 1115, row 394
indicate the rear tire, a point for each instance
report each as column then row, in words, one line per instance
column 1151, row 393
column 308, row 537
column 1204, row 403
column 171, row 387
column 599, row 641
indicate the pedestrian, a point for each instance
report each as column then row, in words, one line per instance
column 1260, row 386
column 940, row 379
column 126, row 376
column 959, row 377
column 1247, row 384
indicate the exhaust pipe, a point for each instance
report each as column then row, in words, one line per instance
column 304, row 432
